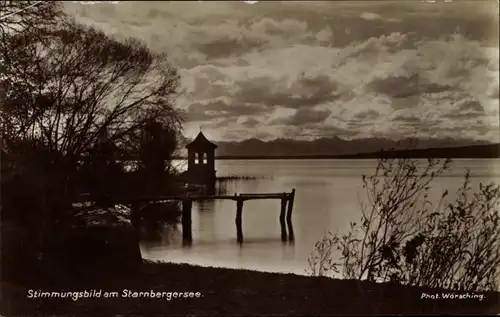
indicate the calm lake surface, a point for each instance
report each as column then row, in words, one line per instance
column 328, row 194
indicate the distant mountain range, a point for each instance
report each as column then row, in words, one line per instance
column 370, row 147
column 474, row 151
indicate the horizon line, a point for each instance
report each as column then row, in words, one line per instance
column 355, row 139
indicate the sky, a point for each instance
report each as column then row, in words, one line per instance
column 313, row 69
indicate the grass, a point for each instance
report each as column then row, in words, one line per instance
column 230, row 292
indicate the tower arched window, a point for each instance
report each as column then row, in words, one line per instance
column 196, row 158
column 205, row 159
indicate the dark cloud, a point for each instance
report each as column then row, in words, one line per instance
column 207, row 89
column 228, row 47
column 256, row 91
column 233, row 135
column 251, row 123
column 404, row 103
column 219, row 109
column 470, row 105
column 460, row 130
column 305, row 92
column 321, row 131
column 463, row 16
column 367, row 115
column 462, row 115
column 408, row 119
column 475, row 28
column 261, row 134
column 358, row 124
column 240, row 134
column 235, row 37
column 467, row 108
column 224, row 123
column 495, row 92
column 304, row 116
column 236, row 134
column 404, row 87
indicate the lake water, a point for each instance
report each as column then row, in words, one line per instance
column 328, row 194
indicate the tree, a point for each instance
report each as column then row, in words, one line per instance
column 152, row 149
column 61, row 89
column 405, row 238
column 79, row 83
column 67, row 93
column 158, row 145
column 82, row 83
column 33, row 18
column 18, row 16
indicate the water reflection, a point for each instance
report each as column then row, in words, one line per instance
column 205, row 221
column 160, row 234
column 328, row 194
column 205, row 205
column 159, row 224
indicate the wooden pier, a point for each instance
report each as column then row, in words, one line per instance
column 285, row 216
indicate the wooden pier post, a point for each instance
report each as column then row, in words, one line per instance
column 282, row 219
column 187, row 236
column 291, row 198
column 135, row 216
column 238, row 221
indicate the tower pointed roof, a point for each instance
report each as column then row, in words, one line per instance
column 201, row 142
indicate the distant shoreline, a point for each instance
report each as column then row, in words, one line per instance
column 467, row 152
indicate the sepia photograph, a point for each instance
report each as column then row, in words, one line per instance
column 249, row 158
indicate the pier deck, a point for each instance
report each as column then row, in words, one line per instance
column 285, row 216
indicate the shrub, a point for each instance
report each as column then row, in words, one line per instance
column 404, row 237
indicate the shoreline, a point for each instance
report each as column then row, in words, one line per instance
column 334, row 157
column 229, row 267
column 230, row 292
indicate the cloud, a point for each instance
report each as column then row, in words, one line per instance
column 367, row 115
column 288, row 28
column 251, row 123
column 494, row 90
column 466, row 108
column 221, row 109
column 226, row 47
column 223, row 123
column 321, row 131
column 371, row 16
column 412, row 119
column 243, row 67
column 325, row 36
column 230, row 38
column 363, row 79
column 305, row 91
column 306, row 116
column 404, row 87
column 470, row 105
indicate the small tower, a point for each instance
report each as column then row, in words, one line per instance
column 201, row 160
